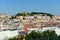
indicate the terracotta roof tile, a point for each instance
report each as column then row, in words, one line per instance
column 27, row 26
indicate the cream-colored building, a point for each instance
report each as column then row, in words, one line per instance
column 29, row 17
column 20, row 17
column 4, row 16
column 57, row 18
column 25, row 21
column 43, row 18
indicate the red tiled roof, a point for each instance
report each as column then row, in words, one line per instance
column 27, row 26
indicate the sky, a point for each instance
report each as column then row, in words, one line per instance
column 13, row 7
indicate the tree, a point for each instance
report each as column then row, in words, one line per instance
column 49, row 33
column 12, row 17
column 22, row 14
column 37, row 13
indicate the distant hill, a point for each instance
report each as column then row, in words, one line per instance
column 33, row 13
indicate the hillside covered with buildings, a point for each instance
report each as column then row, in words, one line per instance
column 33, row 19
column 27, row 22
